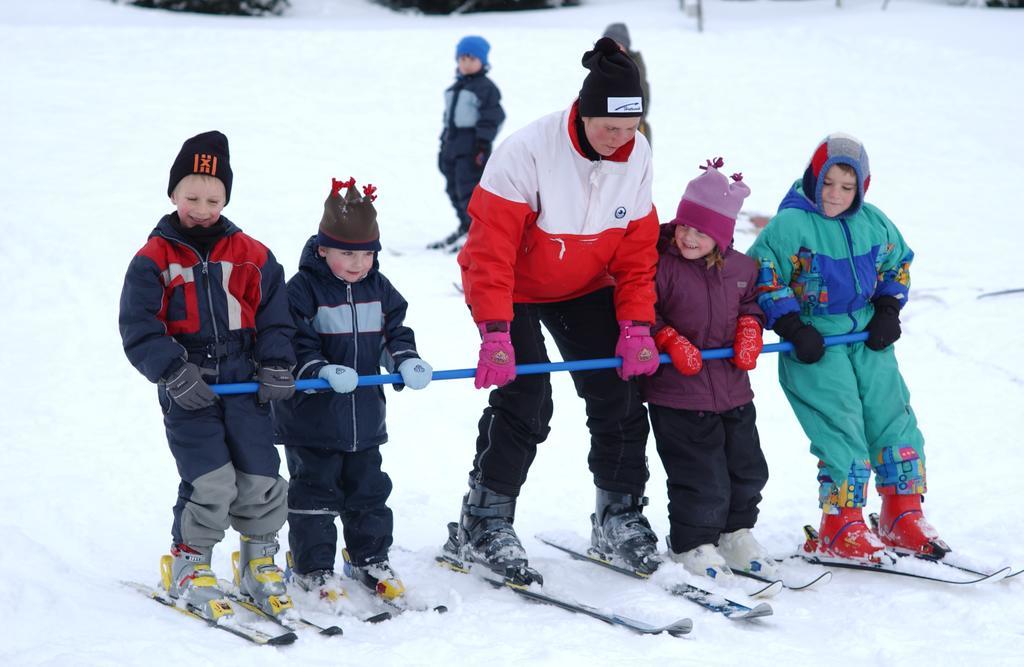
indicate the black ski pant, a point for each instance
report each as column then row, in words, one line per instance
column 329, row 483
column 461, row 175
column 716, row 471
column 518, row 416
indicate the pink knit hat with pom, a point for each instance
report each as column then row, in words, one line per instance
column 711, row 203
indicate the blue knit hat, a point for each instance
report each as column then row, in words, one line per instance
column 473, row 45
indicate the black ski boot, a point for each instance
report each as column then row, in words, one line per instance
column 620, row 530
column 484, row 535
column 452, row 240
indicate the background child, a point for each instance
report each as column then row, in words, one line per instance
column 349, row 318
column 204, row 301
column 702, row 412
column 832, row 264
column 620, row 33
column 472, row 118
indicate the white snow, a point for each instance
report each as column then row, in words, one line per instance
column 96, row 101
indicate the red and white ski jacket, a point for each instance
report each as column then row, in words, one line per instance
column 549, row 224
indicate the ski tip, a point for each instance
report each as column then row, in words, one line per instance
column 283, row 640
column 743, row 613
column 441, row 609
column 771, row 589
column 998, row 575
column 825, row 577
column 332, row 631
column 378, row 618
column 680, row 628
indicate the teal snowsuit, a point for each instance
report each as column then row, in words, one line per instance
column 853, row 403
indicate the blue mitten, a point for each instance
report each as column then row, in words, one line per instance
column 416, row 373
column 341, row 378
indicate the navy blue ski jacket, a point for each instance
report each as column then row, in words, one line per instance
column 359, row 325
column 472, row 114
column 179, row 304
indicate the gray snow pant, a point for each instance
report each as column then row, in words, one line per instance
column 229, row 470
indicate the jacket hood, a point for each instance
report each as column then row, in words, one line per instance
column 836, row 148
column 796, row 198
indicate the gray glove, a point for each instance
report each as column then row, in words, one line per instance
column 416, row 373
column 187, row 388
column 276, row 383
column 341, row 378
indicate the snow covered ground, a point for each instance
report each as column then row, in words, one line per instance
column 96, row 101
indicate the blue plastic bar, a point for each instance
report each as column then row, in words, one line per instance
column 526, row 369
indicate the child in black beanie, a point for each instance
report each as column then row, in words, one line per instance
column 204, row 302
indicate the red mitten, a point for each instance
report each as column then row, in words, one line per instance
column 684, row 355
column 748, row 343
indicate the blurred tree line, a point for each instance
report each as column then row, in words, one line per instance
column 449, row 6
column 277, row 7
column 235, row 7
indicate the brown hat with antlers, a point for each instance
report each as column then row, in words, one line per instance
column 349, row 222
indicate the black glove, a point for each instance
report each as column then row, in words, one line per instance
column 808, row 345
column 187, row 388
column 276, row 383
column 483, row 151
column 884, row 327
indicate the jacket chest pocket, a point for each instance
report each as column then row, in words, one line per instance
column 181, row 302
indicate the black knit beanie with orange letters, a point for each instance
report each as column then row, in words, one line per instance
column 205, row 153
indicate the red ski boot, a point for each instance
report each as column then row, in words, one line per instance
column 902, row 525
column 845, row 535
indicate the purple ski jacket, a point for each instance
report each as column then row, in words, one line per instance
column 702, row 304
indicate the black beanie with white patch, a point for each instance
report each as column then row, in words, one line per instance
column 612, row 89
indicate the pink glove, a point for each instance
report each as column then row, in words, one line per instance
column 497, row 363
column 636, row 347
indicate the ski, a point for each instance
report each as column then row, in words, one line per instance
column 400, row 606
column 226, row 624
column 891, row 565
column 531, row 592
column 943, row 560
column 788, row 583
column 291, row 622
column 729, row 608
column 386, row 594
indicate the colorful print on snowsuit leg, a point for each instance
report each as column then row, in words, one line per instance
column 849, row 492
column 899, row 471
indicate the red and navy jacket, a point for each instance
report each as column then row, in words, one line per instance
column 177, row 300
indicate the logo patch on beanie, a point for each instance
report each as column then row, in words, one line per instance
column 203, row 163
column 625, row 105
column 620, row 213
